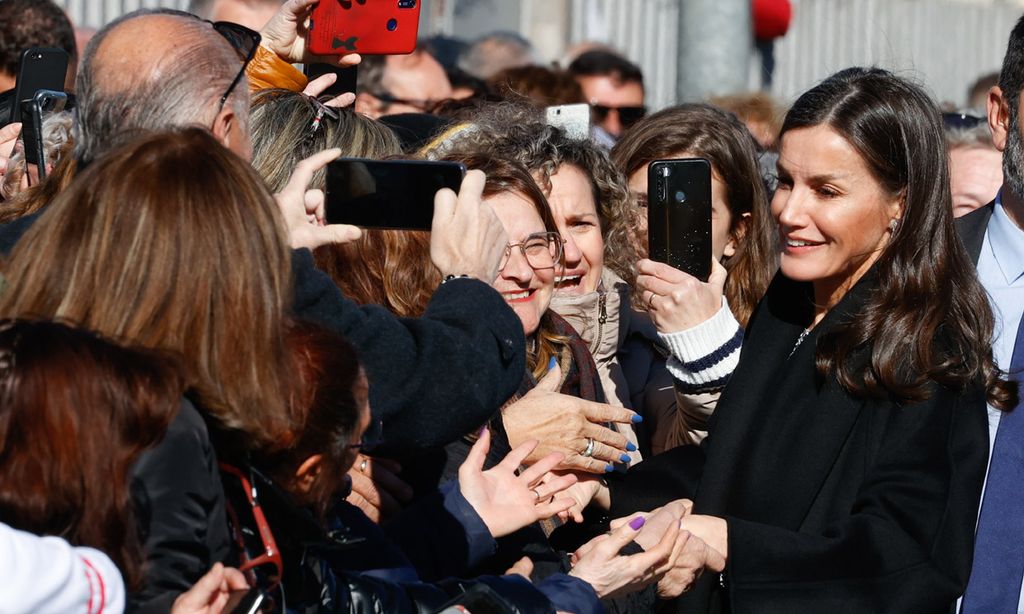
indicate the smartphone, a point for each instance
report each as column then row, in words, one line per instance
column 679, row 214
column 42, row 103
column 370, row 27
column 245, row 601
column 41, row 68
column 397, row 194
column 573, row 118
column 346, row 81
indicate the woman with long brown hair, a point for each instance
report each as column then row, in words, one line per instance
column 847, row 454
column 172, row 243
column 698, row 319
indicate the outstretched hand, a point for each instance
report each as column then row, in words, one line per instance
column 303, row 209
column 566, row 424
column 285, row 36
column 507, row 502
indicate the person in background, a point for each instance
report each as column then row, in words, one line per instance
column 758, row 111
column 977, row 94
column 253, row 14
column 697, row 319
column 993, row 235
column 614, row 88
column 540, row 85
column 497, row 51
column 33, row 23
column 975, row 165
column 396, row 84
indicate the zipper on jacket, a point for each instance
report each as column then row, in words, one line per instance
column 602, row 317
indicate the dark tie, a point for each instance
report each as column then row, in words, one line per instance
column 995, row 582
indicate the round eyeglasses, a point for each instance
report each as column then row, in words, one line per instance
column 542, row 250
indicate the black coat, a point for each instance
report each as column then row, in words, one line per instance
column 833, row 503
column 972, row 228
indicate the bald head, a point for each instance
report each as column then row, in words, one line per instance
column 152, row 70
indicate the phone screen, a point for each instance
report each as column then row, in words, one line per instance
column 679, row 214
column 395, row 194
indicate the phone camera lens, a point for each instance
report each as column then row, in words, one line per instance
column 406, row 4
column 680, row 197
column 392, row 25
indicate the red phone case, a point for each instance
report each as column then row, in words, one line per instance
column 371, row 27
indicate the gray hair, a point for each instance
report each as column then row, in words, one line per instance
column 183, row 92
column 495, row 52
column 978, row 137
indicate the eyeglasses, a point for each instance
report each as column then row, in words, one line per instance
column 627, row 115
column 965, row 120
column 244, row 41
column 541, row 251
column 258, row 549
column 372, row 437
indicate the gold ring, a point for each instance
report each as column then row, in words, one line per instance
column 362, row 466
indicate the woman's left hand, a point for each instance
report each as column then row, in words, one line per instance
column 507, row 502
column 676, row 300
column 303, row 209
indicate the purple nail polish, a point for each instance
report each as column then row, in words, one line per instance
column 637, row 523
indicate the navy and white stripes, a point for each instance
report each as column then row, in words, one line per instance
column 703, row 357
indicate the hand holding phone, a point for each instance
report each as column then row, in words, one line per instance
column 42, row 103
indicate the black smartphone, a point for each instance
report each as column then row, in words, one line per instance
column 396, row 194
column 245, row 601
column 679, row 214
column 42, row 68
column 33, row 110
column 346, row 82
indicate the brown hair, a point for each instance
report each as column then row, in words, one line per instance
column 171, row 242
column 76, row 412
column 929, row 318
column 707, row 132
column 504, row 175
column 325, row 410
column 539, row 85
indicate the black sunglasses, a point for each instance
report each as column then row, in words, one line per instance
column 965, row 120
column 627, row 115
column 244, row 41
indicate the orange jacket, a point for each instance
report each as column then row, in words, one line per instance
column 267, row 70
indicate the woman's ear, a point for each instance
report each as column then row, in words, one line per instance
column 307, row 473
column 736, row 235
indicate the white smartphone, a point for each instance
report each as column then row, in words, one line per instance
column 573, row 118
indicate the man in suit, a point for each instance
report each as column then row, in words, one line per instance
column 994, row 237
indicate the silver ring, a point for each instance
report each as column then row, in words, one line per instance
column 535, row 493
column 362, row 466
column 589, row 450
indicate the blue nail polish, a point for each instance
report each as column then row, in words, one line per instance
column 637, row 418
column 609, row 468
column 624, row 458
column 552, row 363
column 630, row 447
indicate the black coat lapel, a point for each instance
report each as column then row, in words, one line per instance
column 972, row 227
column 778, row 428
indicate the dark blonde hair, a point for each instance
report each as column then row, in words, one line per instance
column 171, row 242
column 707, row 132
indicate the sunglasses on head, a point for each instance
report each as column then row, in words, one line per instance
column 627, row 115
column 963, row 119
column 244, row 41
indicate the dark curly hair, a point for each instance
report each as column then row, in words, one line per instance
column 33, row 23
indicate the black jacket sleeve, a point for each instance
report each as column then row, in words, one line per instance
column 177, row 491
column 433, row 378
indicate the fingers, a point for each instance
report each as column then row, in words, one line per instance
column 471, row 191
column 551, row 379
column 372, row 512
column 319, row 85
column 578, row 462
column 202, row 592
column 341, row 101
column 662, row 271
column 444, row 209
column 235, row 579
column 304, row 170
column 715, row 561
column 312, row 236
column 621, row 536
column 662, row 287
column 313, row 200
column 474, row 462
column 600, row 412
column 612, row 439
column 718, row 274
column 522, row 567
column 549, row 489
column 547, row 510
column 8, row 137
column 376, row 497
column 515, row 458
column 384, row 475
column 540, row 469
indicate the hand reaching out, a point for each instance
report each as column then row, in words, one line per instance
column 507, row 502
column 303, row 209
column 285, row 36
column 210, row 594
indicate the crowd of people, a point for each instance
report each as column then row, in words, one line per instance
column 210, row 394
